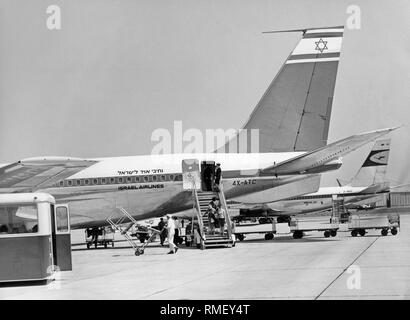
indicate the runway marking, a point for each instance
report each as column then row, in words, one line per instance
column 344, row 270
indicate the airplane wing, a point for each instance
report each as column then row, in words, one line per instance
column 31, row 174
column 399, row 186
column 312, row 160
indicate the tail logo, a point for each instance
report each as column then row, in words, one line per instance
column 321, row 45
column 377, row 158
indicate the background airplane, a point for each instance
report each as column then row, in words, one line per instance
column 367, row 186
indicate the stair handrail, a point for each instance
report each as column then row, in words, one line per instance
column 222, row 200
column 199, row 213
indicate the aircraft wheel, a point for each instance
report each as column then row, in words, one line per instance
column 326, row 234
column 354, row 233
column 362, row 232
column 297, row 234
column 105, row 245
column 333, row 233
column 88, row 245
column 139, row 252
column 269, row 236
column 240, row 237
column 112, row 244
column 96, row 245
column 263, row 220
column 384, row 232
column 393, row 231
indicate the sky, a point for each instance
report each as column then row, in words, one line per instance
column 118, row 70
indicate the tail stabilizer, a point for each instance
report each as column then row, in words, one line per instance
column 294, row 113
column 314, row 160
column 374, row 168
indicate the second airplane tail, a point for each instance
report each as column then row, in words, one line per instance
column 374, row 168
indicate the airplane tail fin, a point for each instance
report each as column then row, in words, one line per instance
column 294, row 113
column 374, row 167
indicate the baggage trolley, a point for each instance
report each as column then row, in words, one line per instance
column 138, row 250
column 154, row 232
column 102, row 236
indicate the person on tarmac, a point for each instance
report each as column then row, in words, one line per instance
column 177, row 227
column 171, row 232
column 161, row 228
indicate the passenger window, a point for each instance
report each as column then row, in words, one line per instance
column 171, row 177
column 145, row 178
column 129, row 179
column 70, row 182
column 137, row 179
column 120, row 180
column 61, row 183
column 154, row 178
column 95, row 181
column 103, row 181
column 86, row 182
column 112, row 180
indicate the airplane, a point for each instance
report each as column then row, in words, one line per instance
column 366, row 187
column 293, row 117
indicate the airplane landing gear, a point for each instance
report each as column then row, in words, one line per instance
column 240, row 237
column 393, row 231
column 283, row 219
column 297, row 234
column 269, row 236
column 384, row 232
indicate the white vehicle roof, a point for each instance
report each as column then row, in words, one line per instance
column 35, row 197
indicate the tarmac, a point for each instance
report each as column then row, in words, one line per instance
column 314, row 267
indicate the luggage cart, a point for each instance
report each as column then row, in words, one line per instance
column 154, row 232
column 138, row 250
column 329, row 226
column 105, row 237
column 359, row 224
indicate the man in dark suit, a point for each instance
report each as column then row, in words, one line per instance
column 218, row 173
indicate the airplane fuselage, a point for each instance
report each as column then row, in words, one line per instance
column 151, row 186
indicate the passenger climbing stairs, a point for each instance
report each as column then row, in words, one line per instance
column 212, row 237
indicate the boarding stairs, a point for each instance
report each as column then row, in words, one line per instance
column 212, row 238
column 339, row 212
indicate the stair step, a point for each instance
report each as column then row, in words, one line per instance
column 216, row 236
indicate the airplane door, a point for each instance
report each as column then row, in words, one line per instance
column 191, row 178
column 61, row 237
column 207, row 175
